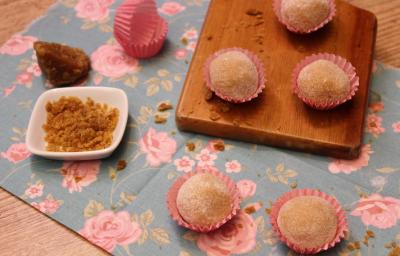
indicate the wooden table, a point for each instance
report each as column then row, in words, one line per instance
column 25, row 231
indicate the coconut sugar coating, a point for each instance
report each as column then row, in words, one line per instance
column 204, row 200
column 234, row 75
column 308, row 221
column 304, row 15
column 323, row 81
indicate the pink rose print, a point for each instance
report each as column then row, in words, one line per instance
column 34, row 191
column 8, row 90
column 376, row 106
column 34, row 69
column 108, row 229
column 158, row 146
column 111, row 61
column 396, row 127
column 378, row 211
column 191, row 46
column 235, row 237
column 207, row 168
column 93, row 10
column 233, row 166
column 24, row 78
column 184, row 164
column 374, row 124
column 349, row 166
column 49, row 205
column 190, row 34
column 16, row 153
column 171, row 8
column 79, row 174
column 205, row 158
column 180, row 54
column 247, row 188
column 17, row 45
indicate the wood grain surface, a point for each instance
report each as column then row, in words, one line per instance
column 25, row 231
column 277, row 117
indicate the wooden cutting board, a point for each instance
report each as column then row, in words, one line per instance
column 277, row 117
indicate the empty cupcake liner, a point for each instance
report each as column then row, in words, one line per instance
column 276, row 5
column 150, row 49
column 342, row 226
column 260, row 70
column 342, row 63
column 136, row 21
column 173, row 193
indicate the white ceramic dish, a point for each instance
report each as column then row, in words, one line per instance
column 111, row 96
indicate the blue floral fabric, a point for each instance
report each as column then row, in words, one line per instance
column 124, row 211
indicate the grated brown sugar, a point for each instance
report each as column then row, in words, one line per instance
column 74, row 126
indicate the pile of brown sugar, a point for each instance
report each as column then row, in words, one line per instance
column 73, row 125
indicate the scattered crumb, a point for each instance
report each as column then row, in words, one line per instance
column 190, row 146
column 219, row 146
column 164, row 106
column 259, row 23
column 268, row 211
column 293, row 185
column 214, row 116
column 395, row 251
column 186, row 62
column 357, row 245
column 370, row 233
column 250, row 210
column 350, row 246
column 121, row 165
column 261, row 51
column 253, row 12
column 209, row 94
column 225, row 108
column 159, row 119
column 173, row 133
column 113, row 207
column 184, row 41
column 209, row 38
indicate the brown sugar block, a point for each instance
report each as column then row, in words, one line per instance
column 61, row 64
column 204, row 200
column 308, row 221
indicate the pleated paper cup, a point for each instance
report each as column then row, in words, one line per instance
column 342, row 226
column 150, row 49
column 342, row 63
column 276, row 5
column 173, row 193
column 136, row 21
column 260, row 71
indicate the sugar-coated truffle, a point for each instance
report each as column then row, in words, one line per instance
column 323, row 81
column 305, row 15
column 204, row 200
column 233, row 74
column 308, row 221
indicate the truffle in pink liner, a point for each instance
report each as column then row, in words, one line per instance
column 324, row 81
column 204, row 200
column 234, row 74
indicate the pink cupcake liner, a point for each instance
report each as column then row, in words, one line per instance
column 173, row 193
column 342, row 63
column 276, row 5
column 146, row 50
column 136, row 21
column 260, row 70
column 342, row 226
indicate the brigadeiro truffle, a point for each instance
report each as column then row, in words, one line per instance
column 203, row 200
column 324, row 81
column 308, row 221
column 235, row 75
column 304, row 16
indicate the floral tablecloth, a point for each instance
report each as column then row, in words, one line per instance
column 124, row 211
